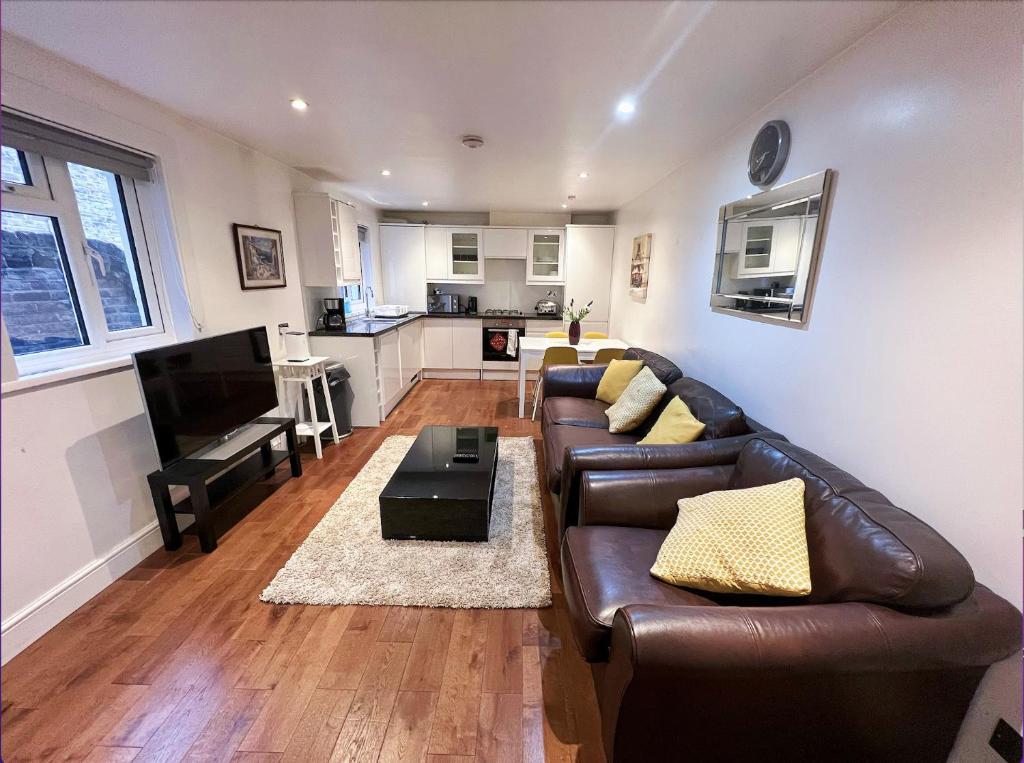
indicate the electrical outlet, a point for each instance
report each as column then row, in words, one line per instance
column 1006, row 741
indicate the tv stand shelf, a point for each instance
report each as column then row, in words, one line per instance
column 213, row 482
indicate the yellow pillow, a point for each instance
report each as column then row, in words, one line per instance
column 676, row 425
column 616, row 378
column 740, row 541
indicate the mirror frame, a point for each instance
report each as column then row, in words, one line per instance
column 824, row 209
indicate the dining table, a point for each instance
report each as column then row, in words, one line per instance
column 534, row 347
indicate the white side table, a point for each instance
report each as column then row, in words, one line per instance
column 291, row 373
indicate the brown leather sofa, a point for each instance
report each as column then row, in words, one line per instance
column 878, row 663
column 576, row 436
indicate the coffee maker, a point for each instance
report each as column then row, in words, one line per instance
column 333, row 318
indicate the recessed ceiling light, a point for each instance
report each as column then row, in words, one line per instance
column 299, row 105
column 584, row 175
column 426, row 203
column 385, row 173
column 626, row 107
column 565, row 206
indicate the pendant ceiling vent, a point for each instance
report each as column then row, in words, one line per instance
column 472, row 141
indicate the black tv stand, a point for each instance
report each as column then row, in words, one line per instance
column 254, row 460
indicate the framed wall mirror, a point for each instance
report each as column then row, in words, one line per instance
column 769, row 247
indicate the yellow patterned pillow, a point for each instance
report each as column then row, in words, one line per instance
column 740, row 541
column 616, row 378
column 636, row 403
column 675, row 426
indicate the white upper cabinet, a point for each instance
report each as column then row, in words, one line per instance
column 588, row 268
column 545, row 257
column 769, row 248
column 328, row 240
column 465, row 254
column 506, row 243
column 403, row 257
column 437, row 253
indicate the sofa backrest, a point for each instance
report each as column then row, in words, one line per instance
column 664, row 369
column 720, row 415
column 861, row 547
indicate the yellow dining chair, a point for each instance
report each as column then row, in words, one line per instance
column 607, row 354
column 595, row 335
column 556, row 335
column 553, row 356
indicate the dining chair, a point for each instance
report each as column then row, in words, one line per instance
column 556, row 335
column 607, row 354
column 595, row 335
column 553, row 356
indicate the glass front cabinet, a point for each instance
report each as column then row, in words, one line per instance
column 465, row 255
column 546, row 258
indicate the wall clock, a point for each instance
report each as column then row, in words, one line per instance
column 768, row 153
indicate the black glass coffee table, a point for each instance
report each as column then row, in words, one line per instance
column 444, row 486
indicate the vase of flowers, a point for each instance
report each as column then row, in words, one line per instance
column 574, row 315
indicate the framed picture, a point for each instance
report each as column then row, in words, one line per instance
column 260, row 257
column 640, row 267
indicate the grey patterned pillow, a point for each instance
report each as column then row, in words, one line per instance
column 636, row 403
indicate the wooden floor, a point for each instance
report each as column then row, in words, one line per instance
column 179, row 660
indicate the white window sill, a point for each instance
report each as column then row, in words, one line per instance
column 65, row 374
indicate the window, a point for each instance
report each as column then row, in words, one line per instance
column 78, row 282
column 359, row 297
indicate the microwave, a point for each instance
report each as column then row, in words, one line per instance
column 443, row 303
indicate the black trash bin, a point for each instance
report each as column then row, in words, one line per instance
column 341, row 401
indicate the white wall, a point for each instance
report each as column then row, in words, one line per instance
column 76, row 507
column 909, row 374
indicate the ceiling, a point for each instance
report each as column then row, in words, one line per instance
column 395, row 84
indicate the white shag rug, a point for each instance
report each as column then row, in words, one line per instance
column 345, row 560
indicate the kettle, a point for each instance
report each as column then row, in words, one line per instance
column 546, row 306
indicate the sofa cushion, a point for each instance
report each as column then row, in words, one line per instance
column 721, row 416
column 666, row 371
column 558, row 437
column 635, row 403
column 675, row 425
column 605, row 568
column 861, row 547
column 616, row 378
column 576, row 412
column 749, row 540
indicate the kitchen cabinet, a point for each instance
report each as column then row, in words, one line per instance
column 465, row 254
column 545, row 258
column 770, row 248
column 467, row 343
column 437, row 342
column 410, row 345
column 436, row 242
column 389, row 367
column 733, row 236
column 506, row 243
column 588, row 269
column 403, row 258
column 328, row 240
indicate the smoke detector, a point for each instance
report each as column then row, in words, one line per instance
column 472, row 141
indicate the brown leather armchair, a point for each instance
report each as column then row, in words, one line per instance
column 577, row 440
column 880, row 662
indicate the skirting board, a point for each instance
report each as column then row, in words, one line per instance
column 36, row 618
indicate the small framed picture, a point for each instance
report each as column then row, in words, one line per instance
column 260, row 257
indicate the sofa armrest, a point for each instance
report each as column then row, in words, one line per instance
column 572, row 381
column 645, row 498
column 576, row 461
column 808, row 679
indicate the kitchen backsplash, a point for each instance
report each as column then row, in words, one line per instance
column 506, row 287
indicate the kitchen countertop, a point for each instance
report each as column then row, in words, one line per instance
column 368, row 327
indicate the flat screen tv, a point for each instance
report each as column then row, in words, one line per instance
column 197, row 392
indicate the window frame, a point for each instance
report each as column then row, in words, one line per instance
column 61, row 203
column 38, row 186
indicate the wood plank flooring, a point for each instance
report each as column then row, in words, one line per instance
column 179, row 660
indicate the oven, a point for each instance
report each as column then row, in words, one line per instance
column 498, row 335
